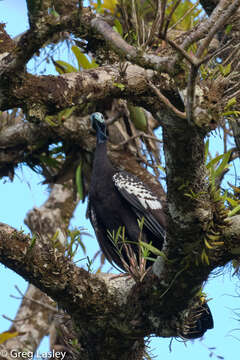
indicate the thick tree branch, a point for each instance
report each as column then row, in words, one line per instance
column 35, row 38
column 24, row 134
column 130, row 53
column 48, row 94
column 190, row 205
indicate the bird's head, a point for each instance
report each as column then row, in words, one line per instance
column 98, row 124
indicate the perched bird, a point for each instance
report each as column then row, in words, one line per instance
column 119, row 199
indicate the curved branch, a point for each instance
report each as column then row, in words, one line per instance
column 33, row 39
column 48, row 268
column 130, row 53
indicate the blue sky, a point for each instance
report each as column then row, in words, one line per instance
column 25, row 192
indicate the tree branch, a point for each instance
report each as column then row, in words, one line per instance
column 33, row 39
column 31, row 322
column 130, row 53
column 223, row 16
column 48, row 94
column 203, row 29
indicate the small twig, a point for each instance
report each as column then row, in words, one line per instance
column 186, row 14
column 192, row 59
column 53, row 309
column 170, row 17
column 233, row 53
column 215, row 53
column 151, row 137
column 158, row 21
column 230, row 90
column 112, row 120
column 115, row 147
column 162, row 14
column 219, row 23
column 180, row 114
column 235, row 94
column 191, row 92
column 135, row 21
column 16, row 320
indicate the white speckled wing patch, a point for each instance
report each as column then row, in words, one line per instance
column 134, row 187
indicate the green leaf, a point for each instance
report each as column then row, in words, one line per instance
column 234, row 112
column 83, row 62
column 49, row 120
column 64, row 67
column 214, row 161
column 65, row 114
column 227, row 69
column 140, row 223
column 53, row 12
column 232, row 202
column 230, row 103
column 33, row 242
column 8, row 335
column 118, row 27
column 120, row 86
column 54, row 239
column 79, row 182
column 224, row 164
column 206, row 149
column 228, row 29
column 153, row 249
column 138, row 117
column 234, row 211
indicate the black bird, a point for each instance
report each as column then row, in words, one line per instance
column 117, row 199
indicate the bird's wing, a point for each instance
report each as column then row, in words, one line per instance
column 143, row 201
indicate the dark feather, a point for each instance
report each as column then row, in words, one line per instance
column 118, row 199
